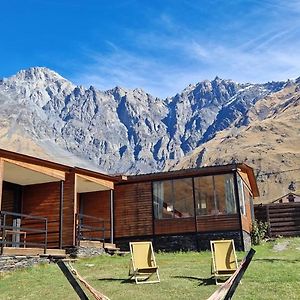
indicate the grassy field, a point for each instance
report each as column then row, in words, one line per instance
column 273, row 274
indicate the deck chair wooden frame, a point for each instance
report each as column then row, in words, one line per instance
column 224, row 261
column 143, row 265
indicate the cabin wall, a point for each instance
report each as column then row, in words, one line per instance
column 97, row 204
column 218, row 223
column 1, row 180
column 42, row 200
column 133, row 210
column 8, row 198
column 134, row 220
column 170, row 226
column 247, row 218
column 11, row 200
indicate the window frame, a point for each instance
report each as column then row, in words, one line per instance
column 159, row 215
column 215, row 201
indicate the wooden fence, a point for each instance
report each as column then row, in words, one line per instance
column 283, row 218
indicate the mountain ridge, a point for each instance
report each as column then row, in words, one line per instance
column 127, row 130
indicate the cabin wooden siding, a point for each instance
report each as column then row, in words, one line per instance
column 69, row 211
column 1, row 180
column 246, row 219
column 245, row 224
column 97, row 204
column 169, row 226
column 8, row 196
column 42, row 200
column 133, row 210
column 8, row 202
column 211, row 223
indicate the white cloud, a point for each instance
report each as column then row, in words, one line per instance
column 183, row 56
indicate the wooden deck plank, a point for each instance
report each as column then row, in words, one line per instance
column 33, row 251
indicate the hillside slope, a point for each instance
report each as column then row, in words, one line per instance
column 270, row 143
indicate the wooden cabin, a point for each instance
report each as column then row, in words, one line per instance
column 45, row 205
column 184, row 210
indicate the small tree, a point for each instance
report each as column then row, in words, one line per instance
column 259, row 231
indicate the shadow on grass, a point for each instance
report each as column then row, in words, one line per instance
column 202, row 281
column 274, row 260
column 121, row 280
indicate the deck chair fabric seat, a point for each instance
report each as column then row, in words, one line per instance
column 224, row 261
column 143, row 265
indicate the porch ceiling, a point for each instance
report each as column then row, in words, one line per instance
column 27, row 174
column 85, row 184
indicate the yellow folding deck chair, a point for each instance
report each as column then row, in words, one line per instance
column 142, row 265
column 224, row 261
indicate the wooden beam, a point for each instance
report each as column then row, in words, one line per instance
column 75, row 211
column 102, row 182
column 61, row 214
column 68, row 233
column 1, row 180
column 75, row 285
column 44, row 170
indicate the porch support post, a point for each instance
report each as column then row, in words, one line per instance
column 1, row 180
column 61, row 215
column 111, row 216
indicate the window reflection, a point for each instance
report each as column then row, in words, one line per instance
column 173, row 198
column 213, row 195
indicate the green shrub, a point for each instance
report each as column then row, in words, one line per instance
column 259, row 231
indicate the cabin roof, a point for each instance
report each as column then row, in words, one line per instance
column 203, row 171
column 209, row 170
column 54, row 165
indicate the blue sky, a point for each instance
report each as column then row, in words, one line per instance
column 158, row 45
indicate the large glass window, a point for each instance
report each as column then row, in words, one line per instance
column 173, row 198
column 215, row 195
column 204, row 195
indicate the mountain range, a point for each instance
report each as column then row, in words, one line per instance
column 130, row 131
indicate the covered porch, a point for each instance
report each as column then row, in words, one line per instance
column 94, row 211
column 30, row 210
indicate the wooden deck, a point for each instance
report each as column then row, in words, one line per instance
column 10, row 251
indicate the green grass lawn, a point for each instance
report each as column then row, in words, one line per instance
column 272, row 274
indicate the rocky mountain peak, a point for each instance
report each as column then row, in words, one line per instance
column 35, row 74
column 38, row 85
column 126, row 130
column 118, row 92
